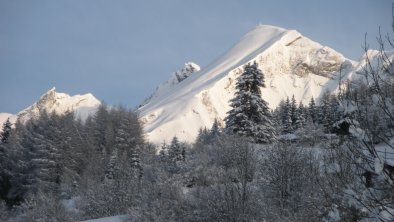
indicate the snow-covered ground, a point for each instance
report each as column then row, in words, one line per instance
column 108, row 219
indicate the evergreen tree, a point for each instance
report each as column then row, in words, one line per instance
column 175, row 150
column 135, row 162
column 215, row 129
column 286, row 117
column 301, row 121
column 4, row 151
column 98, row 127
column 278, row 113
column 6, row 131
column 324, row 110
column 109, row 172
column 312, row 111
column 212, row 134
column 334, row 112
column 45, row 154
column 250, row 116
column 293, row 111
column 71, row 146
column 4, row 169
column 128, row 139
column 164, row 152
column 202, row 136
column 18, row 167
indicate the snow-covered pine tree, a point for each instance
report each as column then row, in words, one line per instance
column 213, row 133
column 109, row 172
column 202, row 136
column 4, row 169
column 334, row 113
column 4, row 159
column 301, row 121
column 293, row 111
column 215, row 129
column 99, row 123
column 128, row 138
column 163, row 154
column 175, row 150
column 312, row 111
column 45, row 154
column 72, row 148
column 6, row 131
column 135, row 162
column 18, row 166
column 250, row 116
column 286, row 117
column 278, row 112
column 324, row 110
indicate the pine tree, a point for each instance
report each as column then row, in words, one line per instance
column 163, row 154
column 71, row 146
column 129, row 132
column 214, row 133
column 301, row 121
column 128, row 138
column 99, row 125
column 18, row 167
column 312, row 112
column 175, row 150
column 286, row 117
column 215, row 129
column 5, row 149
column 6, row 131
column 109, row 172
column 293, row 111
column 335, row 114
column 324, row 110
column 45, row 154
column 250, row 116
column 278, row 113
column 202, row 136
column 135, row 163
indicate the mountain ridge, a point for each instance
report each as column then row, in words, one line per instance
column 291, row 63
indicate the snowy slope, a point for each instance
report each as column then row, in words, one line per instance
column 52, row 101
column 175, row 78
column 292, row 64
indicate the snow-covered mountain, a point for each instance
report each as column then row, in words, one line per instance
column 292, row 64
column 175, row 78
column 52, row 101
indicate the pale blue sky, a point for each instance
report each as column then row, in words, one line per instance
column 121, row 50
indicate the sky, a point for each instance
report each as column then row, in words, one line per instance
column 121, row 50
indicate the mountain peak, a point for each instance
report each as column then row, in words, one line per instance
column 291, row 63
column 53, row 101
column 175, row 78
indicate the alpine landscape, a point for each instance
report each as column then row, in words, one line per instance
column 279, row 127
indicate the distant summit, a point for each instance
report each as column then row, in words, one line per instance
column 52, row 101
